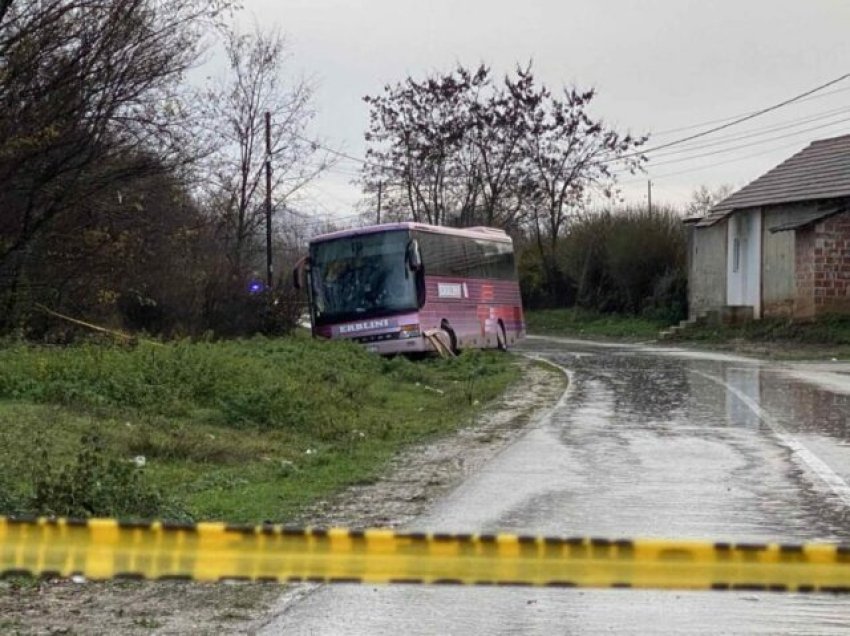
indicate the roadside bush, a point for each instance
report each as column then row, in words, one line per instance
column 230, row 311
column 642, row 248
column 631, row 261
column 669, row 300
column 828, row 330
column 94, row 485
column 10, row 500
column 583, row 255
column 543, row 282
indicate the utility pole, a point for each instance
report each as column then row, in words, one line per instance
column 269, row 279
column 380, row 192
column 649, row 195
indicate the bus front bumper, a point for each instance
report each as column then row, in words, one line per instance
column 405, row 345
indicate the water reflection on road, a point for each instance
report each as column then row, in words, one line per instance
column 649, row 443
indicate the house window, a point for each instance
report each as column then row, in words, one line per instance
column 736, row 254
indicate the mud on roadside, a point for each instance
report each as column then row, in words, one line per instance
column 413, row 481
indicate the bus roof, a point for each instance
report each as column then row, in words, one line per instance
column 479, row 232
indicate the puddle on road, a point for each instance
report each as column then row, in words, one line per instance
column 646, row 445
column 679, row 448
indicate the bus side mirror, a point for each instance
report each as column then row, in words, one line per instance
column 298, row 273
column 414, row 258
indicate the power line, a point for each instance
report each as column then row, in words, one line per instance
column 714, row 165
column 735, row 122
column 786, row 125
column 670, row 131
column 751, row 144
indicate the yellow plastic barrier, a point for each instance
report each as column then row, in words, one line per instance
column 105, row 548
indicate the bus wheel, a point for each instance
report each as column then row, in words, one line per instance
column 501, row 337
column 444, row 325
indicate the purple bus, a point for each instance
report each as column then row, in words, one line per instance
column 410, row 287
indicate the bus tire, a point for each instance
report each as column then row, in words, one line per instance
column 444, row 325
column 501, row 337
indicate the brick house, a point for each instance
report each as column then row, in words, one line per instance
column 779, row 246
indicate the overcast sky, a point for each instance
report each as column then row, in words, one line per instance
column 658, row 65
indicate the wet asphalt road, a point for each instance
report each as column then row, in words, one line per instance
column 647, row 442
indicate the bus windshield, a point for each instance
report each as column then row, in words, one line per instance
column 361, row 276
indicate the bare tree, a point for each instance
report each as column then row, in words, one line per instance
column 89, row 97
column 570, row 155
column 418, row 134
column 235, row 111
column 705, row 198
column 459, row 148
column 500, row 126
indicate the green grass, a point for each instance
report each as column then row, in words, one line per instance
column 242, row 431
column 827, row 330
column 829, row 335
column 583, row 323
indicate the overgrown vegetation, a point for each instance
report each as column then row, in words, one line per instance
column 135, row 201
column 586, row 323
column 630, row 262
column 828, row 336
column 93, row 484
column 131, row 198
column 243, row 431
column 831, row 331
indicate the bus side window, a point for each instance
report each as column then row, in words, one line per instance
column 442, row 255
column 487, row 257
column 474, row 260
column 463, row 258
column 503, row 262
column 459, row 263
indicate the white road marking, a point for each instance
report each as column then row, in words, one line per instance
column 798, row 449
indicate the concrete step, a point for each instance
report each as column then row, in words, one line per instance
column 666, row 333
column 701, row 318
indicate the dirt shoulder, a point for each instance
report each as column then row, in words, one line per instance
column 414, row 480
column 422, row 474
